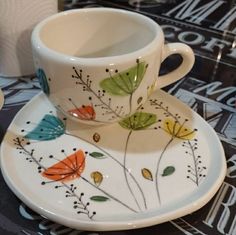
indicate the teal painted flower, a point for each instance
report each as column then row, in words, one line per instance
column 49, row 128
column 138, row 121
column 125, row 82
column 43, row 81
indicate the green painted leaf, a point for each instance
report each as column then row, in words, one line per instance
column 49, row 128
column 97, row 155
column 169, row 170
column 125, row 82
column 99, row 198
column 138, row 121
column 43, row 81
column 147, row 174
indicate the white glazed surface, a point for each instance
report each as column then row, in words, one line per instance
column 98, row 34
column 38, row 140
column 74, row 65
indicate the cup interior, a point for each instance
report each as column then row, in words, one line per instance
column 97, row 33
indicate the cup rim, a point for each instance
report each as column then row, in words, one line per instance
column 59, row 56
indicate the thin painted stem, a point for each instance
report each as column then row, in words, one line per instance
column 130, row 103
column 109, row 195
column 195, row 164
column 18, row 143
column 79, row 199
column 158, row 169
column 21, row 147
column 79, row 76
column 125, row 172
column 119, row 163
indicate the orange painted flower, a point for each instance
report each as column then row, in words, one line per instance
column 85, row 112
column 68, row 169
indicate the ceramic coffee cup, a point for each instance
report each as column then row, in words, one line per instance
column 98, row 65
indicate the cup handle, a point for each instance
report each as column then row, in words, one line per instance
column 188, row 60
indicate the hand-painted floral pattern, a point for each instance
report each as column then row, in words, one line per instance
column 138, row 121
column 49, row 128
column 68, row 169
column 125, row 82
column 177, row 130
column 85, row 112
column 43, row 81
column 118, row 83
column 97, row 96
column 71, row 167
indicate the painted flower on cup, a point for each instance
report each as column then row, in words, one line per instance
column 125, row 82
column 85, row 112
column 43, row 81
column 138, row 121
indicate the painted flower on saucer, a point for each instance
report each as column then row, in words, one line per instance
column 70, row 171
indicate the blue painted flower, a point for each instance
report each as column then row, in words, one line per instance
column 43, row 81
column 49, row 128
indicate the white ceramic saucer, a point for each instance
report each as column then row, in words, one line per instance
column 1, row 99
column 161, row 163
